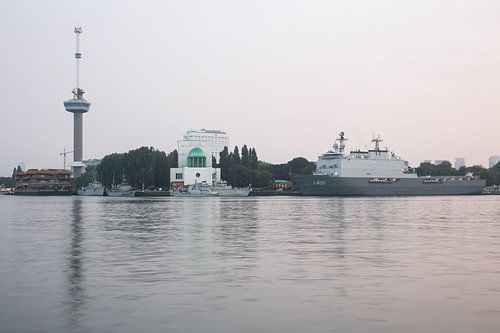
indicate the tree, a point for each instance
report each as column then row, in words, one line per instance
column 444, row 169
column 279, row 171
column 241, row 176
column 235, row 157
column 261, row 178
column 111, row 166
column 224, row 163
column 245, row 156
column 301, row 166
column 143, row 166
column 254, row 161
column 425, row 169
column 7, row 181
column 87, row 177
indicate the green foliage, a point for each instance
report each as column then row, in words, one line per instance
column 301, row 166
column 245, row 157
column 142, row 166
column 279, row 171
column 492, row 175
column 254, row 160
column 85, row 178
column 495, row 171
column 7, row 181
column 242, row 171
column 262, row 178
column 235, row 157
column 298, row 165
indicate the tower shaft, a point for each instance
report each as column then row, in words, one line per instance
column 77, row 143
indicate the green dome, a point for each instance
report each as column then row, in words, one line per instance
column 196, row 152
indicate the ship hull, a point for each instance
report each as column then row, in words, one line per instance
column 232, row 192
column 324, row 185
column 42, row 193
column 126, row 194
column 94, row 192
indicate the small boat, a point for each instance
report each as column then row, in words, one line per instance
column 93, row 189
column 5, row 190
column 122, row 190
column 197, row 190
column 226, row 190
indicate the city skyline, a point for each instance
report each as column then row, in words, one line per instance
column 282, row 77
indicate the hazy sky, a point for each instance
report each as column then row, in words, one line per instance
column 282, row 76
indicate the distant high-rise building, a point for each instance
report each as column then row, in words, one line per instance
column 493, row 160
column 437, row 162
column 459, row 162
column 218, row 139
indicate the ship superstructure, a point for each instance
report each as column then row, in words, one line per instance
column 375, row 162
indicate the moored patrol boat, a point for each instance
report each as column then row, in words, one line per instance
column 95, row 188
column 197, row 190
column 122, row 190
column 377, row 172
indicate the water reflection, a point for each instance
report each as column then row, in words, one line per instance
column 255, row 264
column 236, row 245
column 237, row 228
column 75, row 269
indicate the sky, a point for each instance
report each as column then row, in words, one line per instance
column 284, row 77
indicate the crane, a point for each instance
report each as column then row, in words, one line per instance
column 64, row 153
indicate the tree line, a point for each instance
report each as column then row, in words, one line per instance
column 241, row 170
column 491, row 175
column 145, row 166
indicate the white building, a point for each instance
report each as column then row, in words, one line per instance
column 218, row 139
column 92, row 162
column 493, row 160
column 459, row 162
column 194, row 164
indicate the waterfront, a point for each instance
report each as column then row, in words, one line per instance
column 275, row 264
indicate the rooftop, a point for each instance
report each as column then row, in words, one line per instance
column 44, row 172
column 204, row 130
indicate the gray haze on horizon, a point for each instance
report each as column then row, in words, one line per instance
column 282, row 76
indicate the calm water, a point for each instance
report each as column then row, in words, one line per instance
column 74, row 264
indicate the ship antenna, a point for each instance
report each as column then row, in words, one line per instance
column 377, row 141
column 341, row 141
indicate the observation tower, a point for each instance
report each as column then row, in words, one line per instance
column 78, row 106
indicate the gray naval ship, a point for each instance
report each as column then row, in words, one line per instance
column 377, row 172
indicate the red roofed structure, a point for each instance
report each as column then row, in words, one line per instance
column 43, row 182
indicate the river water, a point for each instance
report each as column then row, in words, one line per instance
column 275, row 264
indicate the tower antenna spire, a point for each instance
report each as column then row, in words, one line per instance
column 78, row 56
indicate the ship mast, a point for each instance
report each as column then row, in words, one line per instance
column 377, row 140
column 341, row 141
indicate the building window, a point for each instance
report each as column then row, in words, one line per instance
column 178, row 176
column 196, row 158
